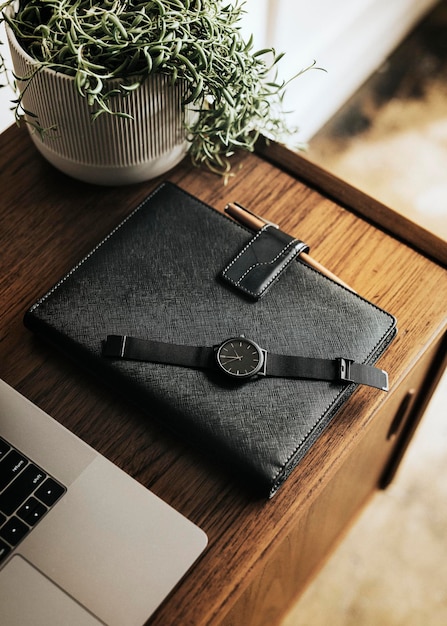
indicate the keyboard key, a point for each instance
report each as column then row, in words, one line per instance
column 26, row 494
column 13, row 531
column 32, row 511
column 4, row 448
column 49, row 492
column 19, row 490
column 10, row 467
column 4, row 550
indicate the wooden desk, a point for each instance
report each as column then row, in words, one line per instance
column 260, row 553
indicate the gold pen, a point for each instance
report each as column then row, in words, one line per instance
column 254, row 222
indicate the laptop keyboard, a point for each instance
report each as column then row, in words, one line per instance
column 26, row 495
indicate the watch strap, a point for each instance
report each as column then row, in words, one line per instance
column 339, row 369
column 135, row 349
column 286, row 366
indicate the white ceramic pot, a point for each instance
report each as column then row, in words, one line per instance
column 111, row 150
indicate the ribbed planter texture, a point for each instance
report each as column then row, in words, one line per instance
column 110, row 150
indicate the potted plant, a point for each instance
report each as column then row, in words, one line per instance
column 117, row 91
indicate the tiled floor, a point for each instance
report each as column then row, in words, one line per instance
column 391, row 140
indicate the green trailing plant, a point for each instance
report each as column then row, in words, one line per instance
column 233, row 87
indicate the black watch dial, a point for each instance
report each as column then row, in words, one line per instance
column 240, row 357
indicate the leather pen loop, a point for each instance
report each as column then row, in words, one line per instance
column 262, row 260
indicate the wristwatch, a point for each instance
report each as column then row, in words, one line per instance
column 240, row 359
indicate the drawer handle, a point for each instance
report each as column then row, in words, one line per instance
column 401, row 414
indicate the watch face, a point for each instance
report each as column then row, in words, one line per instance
column 240, row 357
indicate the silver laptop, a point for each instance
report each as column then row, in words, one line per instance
column 81, row 542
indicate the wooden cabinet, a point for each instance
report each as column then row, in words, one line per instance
column 260, row 553
column 370, row 464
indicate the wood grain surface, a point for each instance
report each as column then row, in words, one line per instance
column 426, row 241
column 49, row 221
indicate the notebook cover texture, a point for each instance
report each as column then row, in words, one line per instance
column 158, row 276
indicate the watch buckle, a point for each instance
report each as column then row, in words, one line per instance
column 345, row 369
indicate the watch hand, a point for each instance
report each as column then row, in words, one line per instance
column 235, row 352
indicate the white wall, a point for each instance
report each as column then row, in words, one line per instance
column 348, row 38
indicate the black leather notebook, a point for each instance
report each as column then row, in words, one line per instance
column 159, row 277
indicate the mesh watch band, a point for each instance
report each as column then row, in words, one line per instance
column 287, row 366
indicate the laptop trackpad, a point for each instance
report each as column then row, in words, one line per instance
column 27, row 597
